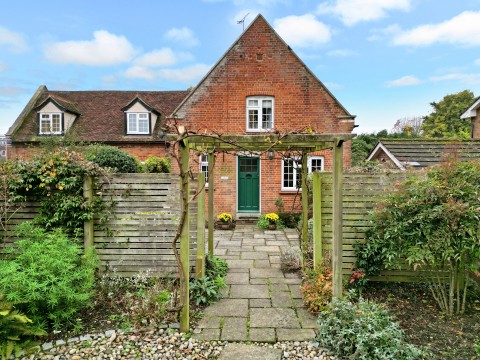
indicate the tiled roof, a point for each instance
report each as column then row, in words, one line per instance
column 101, row 116
column 427, row 152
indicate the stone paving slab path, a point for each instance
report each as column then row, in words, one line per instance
column 260, row 303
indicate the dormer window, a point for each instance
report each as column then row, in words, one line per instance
column 51, row 124
column 259, row 113
column 138, row 123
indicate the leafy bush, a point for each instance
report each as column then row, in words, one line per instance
column 432, row 222
column 290, row 220
column 112, row 158
column 56, row 179
column 264, row 221
column 16, row 330
column 215, row 266
column 46, row 277
column 363, row 331
column 155, row 164
column 317, row 289
column 206, row 290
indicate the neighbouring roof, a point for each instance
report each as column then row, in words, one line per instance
column 424, row 152
column 472, row 110
column 100, row 113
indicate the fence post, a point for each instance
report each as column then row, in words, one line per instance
column 304, row 205
column 337, row 238
column 200, row 263
column 317, row 220
column 88, row 224
column 211, row 172
column 184, row 240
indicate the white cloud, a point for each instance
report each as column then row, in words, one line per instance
column 12, row 40
column 162, row 57
column 463, row 29
column 407, row 80
column 341, row 53
column 182, row 36
column 464, row 78
column 302, row 31
column 352, row 12
column 103, row 50
column 186, row 75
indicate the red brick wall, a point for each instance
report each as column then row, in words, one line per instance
column 140, row 151
column 300, row 100
column 476, row 126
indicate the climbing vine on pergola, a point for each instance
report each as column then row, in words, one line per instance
column 211, row 144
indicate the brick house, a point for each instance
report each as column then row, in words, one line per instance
column 258, row 85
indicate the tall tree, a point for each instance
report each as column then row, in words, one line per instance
column 444, row 121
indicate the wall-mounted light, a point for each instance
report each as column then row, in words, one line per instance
column 270, row 154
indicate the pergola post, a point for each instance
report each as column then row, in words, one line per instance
column 200, row 261
column 304, row 204
column 185, row 238
column 317, row 221
column 337, row 239
column 211, row 172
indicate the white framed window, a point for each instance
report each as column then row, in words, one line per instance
column 50, row 123
column 138, row 123
column 203, row 166
column 260, row 113
column 292, row 170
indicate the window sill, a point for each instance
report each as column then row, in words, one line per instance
column 289, row 192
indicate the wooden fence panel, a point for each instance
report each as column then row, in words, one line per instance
column 139, row 234
column 361, row 192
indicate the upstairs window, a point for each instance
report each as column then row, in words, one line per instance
column 50, row 123
column 292, row 171
column 259, row 113
column 203, row 164
column 138, row 123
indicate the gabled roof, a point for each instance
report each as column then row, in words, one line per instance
column 138, row 99
column 425, row 152
column 472, row 110
column 259, row 17
column 100, row 115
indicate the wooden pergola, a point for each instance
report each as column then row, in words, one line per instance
column 254, row 144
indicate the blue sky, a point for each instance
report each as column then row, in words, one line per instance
column 383, row 59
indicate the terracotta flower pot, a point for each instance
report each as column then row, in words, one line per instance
column 272, row 226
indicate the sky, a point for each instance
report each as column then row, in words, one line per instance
column 382, row 59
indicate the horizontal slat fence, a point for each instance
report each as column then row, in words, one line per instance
column 19, row 214
column 361, row 193
column 139, row 234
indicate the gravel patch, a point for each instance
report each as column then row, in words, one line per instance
column 158, row 344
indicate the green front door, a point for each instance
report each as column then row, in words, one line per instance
column 248, row 184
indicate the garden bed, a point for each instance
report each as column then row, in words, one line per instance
column 425, row 325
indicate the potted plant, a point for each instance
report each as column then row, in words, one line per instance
column 272, row 220
column 225, row 221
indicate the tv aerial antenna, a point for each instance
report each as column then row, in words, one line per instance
column 243, row 21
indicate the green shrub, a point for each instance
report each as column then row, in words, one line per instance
column 16, row 330
column 155, row 164
column 263, row 222
column 215, row 266
column 290, row 220
column 431, row 221
column 113, row 158
column 206, row 290
column 55, row 179
column 363, row 331
column 46, row 276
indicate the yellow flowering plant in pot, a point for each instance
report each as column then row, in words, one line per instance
column 272, row 219
column 225, row 221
